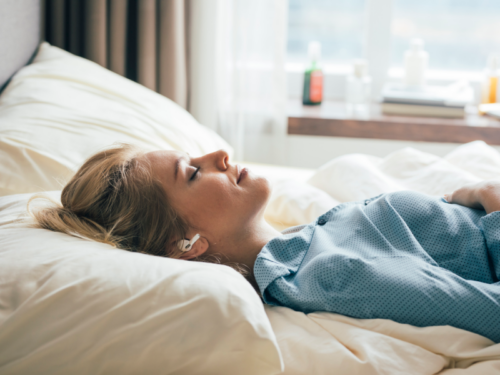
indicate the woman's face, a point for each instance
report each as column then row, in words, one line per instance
column 212, row 195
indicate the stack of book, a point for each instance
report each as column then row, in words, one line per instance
column 433, row 101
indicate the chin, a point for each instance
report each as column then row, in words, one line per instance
column 264, row 191
column 259, row 192
column 253, row 205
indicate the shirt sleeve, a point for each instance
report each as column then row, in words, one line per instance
column 490, row 225
column 398, row 288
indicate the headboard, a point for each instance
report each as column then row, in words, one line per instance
column 19, row 35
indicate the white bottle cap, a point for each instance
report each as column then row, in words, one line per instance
column 360, row 67
column 314, row 51
column 417, row 45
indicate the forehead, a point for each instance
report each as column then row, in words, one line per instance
column 163, row 162
column 163, row 157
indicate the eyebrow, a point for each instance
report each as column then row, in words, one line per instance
column 177, row 163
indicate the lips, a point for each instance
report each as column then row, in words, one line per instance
column 242, row 172
column 239, row 174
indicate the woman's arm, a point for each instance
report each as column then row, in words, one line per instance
column 483, row 195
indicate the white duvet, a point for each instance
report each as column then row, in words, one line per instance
column 326, row 343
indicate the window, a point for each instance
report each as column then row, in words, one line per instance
column 458, row 34
column 337, row 24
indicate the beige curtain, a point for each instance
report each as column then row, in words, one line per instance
column 144, row 40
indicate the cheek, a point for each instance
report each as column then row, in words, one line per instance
column 218, row 203
column 209, row 203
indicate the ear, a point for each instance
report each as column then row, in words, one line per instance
column 198, row 249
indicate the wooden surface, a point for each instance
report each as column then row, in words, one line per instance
column 332, row 119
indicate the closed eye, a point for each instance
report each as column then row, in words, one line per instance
column 194, row 174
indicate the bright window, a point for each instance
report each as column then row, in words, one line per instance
column 458, row 34
column 337, row 24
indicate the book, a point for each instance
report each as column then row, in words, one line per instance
column 432, row 101
column 422, row 110
column 456, row 95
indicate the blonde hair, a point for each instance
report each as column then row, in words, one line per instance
column 116, row 200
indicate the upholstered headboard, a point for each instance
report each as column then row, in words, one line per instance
column 19, row 35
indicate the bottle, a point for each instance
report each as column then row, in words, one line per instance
column 313, row 77
column 358, row 88
column 489, row 89
column 416, row 60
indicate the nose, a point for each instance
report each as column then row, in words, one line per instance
column 219, row 159
column 222, row 160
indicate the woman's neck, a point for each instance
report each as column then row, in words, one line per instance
column 244, row 247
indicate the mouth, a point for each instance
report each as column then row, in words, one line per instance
column 242, row 172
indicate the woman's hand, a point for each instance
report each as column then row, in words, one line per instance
column 483, row 195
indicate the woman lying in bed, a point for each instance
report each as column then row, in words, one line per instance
column 403, row 256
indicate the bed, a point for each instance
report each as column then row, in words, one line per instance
column 74, row 306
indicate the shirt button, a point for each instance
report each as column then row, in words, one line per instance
column 322, row 221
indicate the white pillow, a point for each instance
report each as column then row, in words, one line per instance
column 70, row 306
column 61, row 109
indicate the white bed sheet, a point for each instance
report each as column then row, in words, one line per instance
column 326, row 343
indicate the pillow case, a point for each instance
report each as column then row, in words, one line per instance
column 61, row 109
column 71, row 306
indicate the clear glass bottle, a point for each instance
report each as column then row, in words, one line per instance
column 358, row 89
column 489, row 89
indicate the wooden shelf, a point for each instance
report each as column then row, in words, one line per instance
column 332, row 119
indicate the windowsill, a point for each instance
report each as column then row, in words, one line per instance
column 332, row 119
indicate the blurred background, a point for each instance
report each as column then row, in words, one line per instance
column 238, row 66
column 459, row 35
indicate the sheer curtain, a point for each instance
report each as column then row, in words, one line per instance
column 238, row 82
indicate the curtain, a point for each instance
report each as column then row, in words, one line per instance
column 144, row 40
column 238, row 79
column 251, row 90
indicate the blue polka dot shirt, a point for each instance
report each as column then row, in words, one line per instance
column 403, row 256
